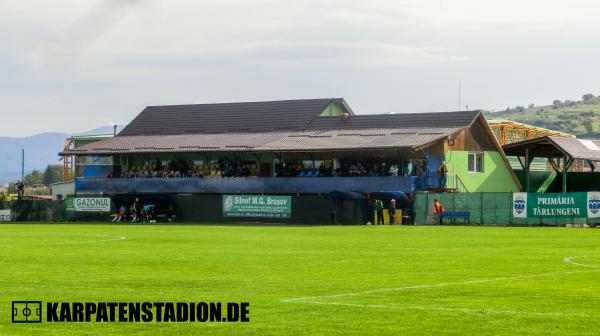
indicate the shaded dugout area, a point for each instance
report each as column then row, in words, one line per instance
column 574, row 164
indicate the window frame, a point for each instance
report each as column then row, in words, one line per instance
column 477, row 169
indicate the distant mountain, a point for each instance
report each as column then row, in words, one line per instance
column 40, row 151
column 580, row 118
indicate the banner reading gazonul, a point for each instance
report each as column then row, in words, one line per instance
column 92, row 204
column 257, row 206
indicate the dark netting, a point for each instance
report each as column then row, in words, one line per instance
column 485, row 208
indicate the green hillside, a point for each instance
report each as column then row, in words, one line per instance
column 581, row 118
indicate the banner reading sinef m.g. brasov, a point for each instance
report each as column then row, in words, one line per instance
column 557, row 205
column 257, row 206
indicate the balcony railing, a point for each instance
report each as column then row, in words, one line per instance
column 278, row 185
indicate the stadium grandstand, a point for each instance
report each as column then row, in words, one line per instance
column 310, row 149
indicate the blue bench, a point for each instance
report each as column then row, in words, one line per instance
column 453, row 215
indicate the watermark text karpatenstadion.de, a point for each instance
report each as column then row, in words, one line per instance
column 37, row 312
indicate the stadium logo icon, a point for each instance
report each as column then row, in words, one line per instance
column 594, row 204
column 519, row 205
column 228, row 204
column 27, row 312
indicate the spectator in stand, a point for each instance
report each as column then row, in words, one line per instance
column 443, row 174
column 322, row 169
column 409, row 168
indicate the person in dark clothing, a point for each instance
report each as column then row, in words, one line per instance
column 20, row 190
column 379, row 210
column 137, row 208
column 392, row 210
column 443, row 173
column 322, row 169
column 411, row 209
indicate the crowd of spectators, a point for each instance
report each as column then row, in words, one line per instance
column 190, row 171
column 344, row 168
column 352, row 168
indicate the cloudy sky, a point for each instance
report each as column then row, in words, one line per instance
column 75, row 65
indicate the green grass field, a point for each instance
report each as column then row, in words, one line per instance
column 312, row 280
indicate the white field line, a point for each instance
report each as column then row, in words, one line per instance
column 316, row 299
column 113, row 238
column 464, row 310
column 444, row 284
column 569, row 260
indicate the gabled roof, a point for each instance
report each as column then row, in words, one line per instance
column 290, row 125
column 552, row 146
column 229, row 117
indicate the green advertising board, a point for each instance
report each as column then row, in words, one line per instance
column 556, row 205
column 263, row 206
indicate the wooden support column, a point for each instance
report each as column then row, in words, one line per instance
column 591, row 164
column 526, row 168
column 566, row 165
column 564, row 174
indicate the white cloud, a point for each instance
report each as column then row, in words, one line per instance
column 109, row 58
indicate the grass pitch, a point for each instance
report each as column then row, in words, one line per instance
column 312, row 280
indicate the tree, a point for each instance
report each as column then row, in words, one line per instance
column 588, row 97
column 532, row 105
column 12, row 187
column 53, row 174
column 35, row 177
column 556, row 103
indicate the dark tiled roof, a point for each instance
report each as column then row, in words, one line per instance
column 354, row 139
column 228, row 117
column 579, row 148
column 429, row 119
column 552, row 146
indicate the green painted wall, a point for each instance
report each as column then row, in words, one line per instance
column 496, row 176
column 332, row 110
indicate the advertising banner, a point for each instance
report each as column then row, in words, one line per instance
column 257, row 206
column 556, row 205
column 5, row 215
column 520, row 205
column 593, row 204
column 563, row 205
column 92, row 204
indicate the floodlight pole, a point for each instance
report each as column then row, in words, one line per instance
column 459, row 87
column 22, row 164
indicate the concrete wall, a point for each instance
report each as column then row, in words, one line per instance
column 61, row 190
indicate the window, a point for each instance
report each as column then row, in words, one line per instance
column 475, row 163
